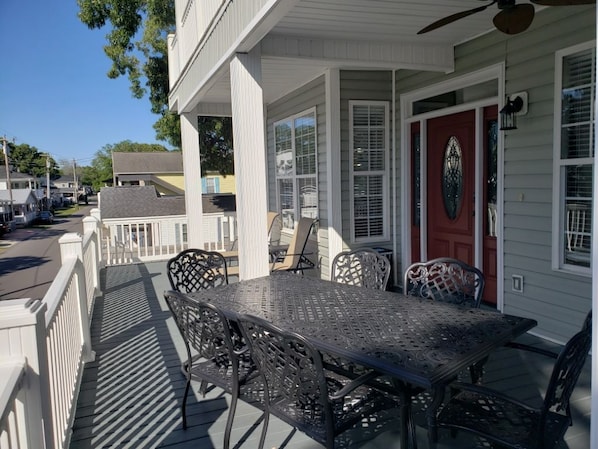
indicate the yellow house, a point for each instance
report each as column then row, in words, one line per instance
column 164, row 171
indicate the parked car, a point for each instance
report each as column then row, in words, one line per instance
column 4, row 228
column 45, row 216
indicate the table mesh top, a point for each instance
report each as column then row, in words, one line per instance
column 418, row 340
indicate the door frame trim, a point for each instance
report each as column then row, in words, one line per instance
column 406, row 100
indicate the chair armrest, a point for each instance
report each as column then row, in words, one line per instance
column 456, row 387
column 524, row 347
column 355, row 383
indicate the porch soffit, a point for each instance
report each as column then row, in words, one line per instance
column 301, row 38
column 289, row 62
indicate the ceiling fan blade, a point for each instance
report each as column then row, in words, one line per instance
column 514, row 20
column 454, row 17
column 563, row 2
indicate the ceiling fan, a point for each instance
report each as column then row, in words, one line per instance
column 511, row 19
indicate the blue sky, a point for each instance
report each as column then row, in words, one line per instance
column 54, row 92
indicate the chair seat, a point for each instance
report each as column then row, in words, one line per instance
column 221, row 374
column 348, row 411
column 480, row 410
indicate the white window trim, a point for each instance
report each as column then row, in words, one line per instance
column 385, row 174
column 558, row 206
column 295, row 177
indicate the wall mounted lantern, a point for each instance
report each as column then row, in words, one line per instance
column 515, row 105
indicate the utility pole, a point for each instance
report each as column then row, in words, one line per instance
column 48, row 200
column 8, row 182
column 76, row 187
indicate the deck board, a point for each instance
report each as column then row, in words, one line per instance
column 131, row 394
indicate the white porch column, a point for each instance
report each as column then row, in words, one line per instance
column 594, row 265
column 333, row 164
column 250, row 168
column 192, row 171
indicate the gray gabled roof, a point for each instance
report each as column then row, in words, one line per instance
column 144, row 201
column 19, row 196
column 157, row 162
column 15, row 175
column 138, row 201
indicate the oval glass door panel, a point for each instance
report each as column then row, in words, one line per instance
column 452, row 178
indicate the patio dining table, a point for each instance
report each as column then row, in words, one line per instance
column 418, row 342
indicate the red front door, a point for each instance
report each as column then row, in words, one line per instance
column 450, row 187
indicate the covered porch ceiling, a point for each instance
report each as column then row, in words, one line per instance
column 302, row 38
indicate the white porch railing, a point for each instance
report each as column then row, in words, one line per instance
column 44, row 346
column 159, row 238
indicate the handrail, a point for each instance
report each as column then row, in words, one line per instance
column 12, row 373
column 49, row 344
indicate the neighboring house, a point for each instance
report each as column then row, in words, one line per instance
column 145, row 203
column 24, row 205
column 214, row 182
column 62, row 190
column 17, row 180
column 137, row 202
column 64, row 182
column 164, row 170
column 342, row 111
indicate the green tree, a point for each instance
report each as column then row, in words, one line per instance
column 86, row 175
column 216, row 144
column 27, row 159
column 138, row 48
column 100, row 173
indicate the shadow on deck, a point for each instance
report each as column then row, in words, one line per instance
column 131, row 394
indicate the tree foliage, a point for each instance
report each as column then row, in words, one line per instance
column 27, row 159
column 138, row 48
column 100, row 173
column 216, row 144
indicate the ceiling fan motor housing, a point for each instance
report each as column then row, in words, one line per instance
column 506, row 4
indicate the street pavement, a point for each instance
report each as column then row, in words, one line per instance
column 30, row 256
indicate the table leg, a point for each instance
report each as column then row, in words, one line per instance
column 431, row 413
column 408, row 436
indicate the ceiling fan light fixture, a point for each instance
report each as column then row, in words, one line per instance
column 514, row 19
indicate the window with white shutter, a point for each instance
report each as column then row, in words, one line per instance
column 369, row 140
column 574, row 156
column 296, row 167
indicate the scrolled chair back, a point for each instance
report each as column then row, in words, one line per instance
column 567, row 370
column 195, row 269
column 363, row 267
column 445, row 279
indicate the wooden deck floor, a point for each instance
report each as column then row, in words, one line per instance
column 131, row 393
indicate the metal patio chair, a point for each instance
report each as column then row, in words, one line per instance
column 274, row 226
column 511, row 423
column 363, row 267
column 215, row 355
column 445, row 279
column 196, row 269
column 300, row 392
column 449, row 280
column 295, row 257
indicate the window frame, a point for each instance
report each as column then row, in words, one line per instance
column 385, row 173
column 294, row 177
column 561, row 164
